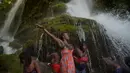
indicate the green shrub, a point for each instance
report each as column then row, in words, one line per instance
column 10, row 64
column 59, row 8
column 6, row 4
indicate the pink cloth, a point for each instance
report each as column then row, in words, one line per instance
column 83, row 59
column 67, row 62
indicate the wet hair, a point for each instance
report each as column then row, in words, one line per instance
column 25, row 58
column 30, row 49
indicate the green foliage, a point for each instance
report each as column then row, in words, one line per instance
column 60, row 23
column 110, row 4
column 59, row 8
column 65, row 27
column 10, row 64
column 6, row 4
column 65, row 22
column 28, row 43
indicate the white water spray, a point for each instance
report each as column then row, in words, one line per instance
column 78, row 8
column 116, row 28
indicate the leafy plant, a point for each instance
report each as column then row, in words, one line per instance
column 59, row 8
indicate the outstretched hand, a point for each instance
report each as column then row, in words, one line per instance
column 40, row 26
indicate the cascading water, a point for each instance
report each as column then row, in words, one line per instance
column 5, row 36
column 81, row 33
column 4, row 31
column 40, row 45
column 78, row 8
column 117, row 29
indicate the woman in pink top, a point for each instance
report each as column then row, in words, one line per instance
column 81, row 59
column 67, row 62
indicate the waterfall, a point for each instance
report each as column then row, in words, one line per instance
column 78, row 8
column 40, row 45
column 5, row 36
column 7, row 23
column 116, row 29
column 80, row 33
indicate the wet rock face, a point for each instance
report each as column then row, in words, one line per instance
column 97, row 45
column 1, row 50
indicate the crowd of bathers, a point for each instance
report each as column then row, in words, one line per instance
column 72, row 59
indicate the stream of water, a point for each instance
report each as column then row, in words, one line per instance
column 5, row 36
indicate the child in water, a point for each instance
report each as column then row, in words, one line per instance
column 30, row 65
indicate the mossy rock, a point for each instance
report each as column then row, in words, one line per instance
column 15, row 44
column 59, row 8
column 66, row 22
column 61, row 23
column 10, row 64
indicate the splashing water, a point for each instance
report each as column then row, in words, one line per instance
column 78, row 8
column 7, row 49
column 116, row 28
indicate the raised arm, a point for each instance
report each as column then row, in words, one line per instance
column 60, row 42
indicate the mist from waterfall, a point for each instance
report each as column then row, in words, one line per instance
column 4, row 32
column 78, row 8
column 117, row 29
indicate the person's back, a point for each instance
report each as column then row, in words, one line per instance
column 30, row 65
column 80, row 61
